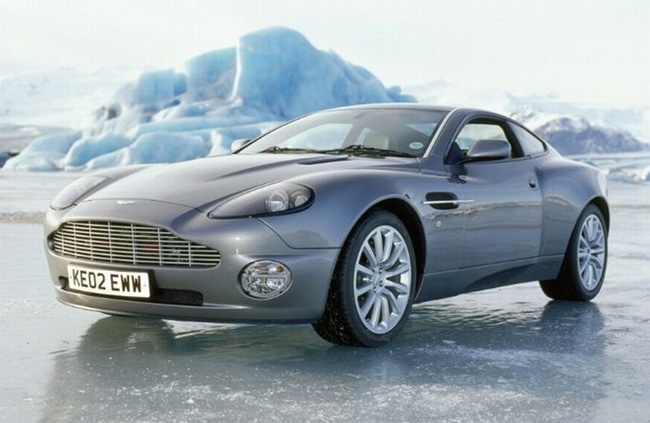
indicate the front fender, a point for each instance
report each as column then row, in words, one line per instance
column 341, row 200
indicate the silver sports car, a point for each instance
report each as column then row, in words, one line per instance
column 342, row 218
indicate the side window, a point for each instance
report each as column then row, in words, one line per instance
column 531, row 145
column 472, row 132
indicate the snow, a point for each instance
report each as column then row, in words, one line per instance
column 169, row 115
column 60, row 98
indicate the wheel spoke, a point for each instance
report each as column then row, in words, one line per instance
column 383, row 277
column 588, row 230
column 388, row 247
column 401, row 289
column 596, row 261
column 585, row 275
column 359, row 291
column 592, row 227
column 583, row 263
column 385, row 310
column 592, row 276
column 600, row 239
column 397, row 252
column 378, row 246
column 376, row 311
column 392, row 301
column 369, row 301
column 591, row 252
column 400, row 270
column 369, row 254
column 363, row 269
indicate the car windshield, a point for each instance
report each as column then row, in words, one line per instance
column 374, row 132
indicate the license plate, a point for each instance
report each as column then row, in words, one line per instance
column 108, row 282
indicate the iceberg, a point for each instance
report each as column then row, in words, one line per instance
column 268, row 77
column 44, row 153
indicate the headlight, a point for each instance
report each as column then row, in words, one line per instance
column 284, row 197
column 76, row 190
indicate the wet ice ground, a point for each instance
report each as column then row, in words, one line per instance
column 507, row 355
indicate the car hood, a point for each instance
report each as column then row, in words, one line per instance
column 202, row 183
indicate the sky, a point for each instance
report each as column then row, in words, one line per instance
column 585, row 51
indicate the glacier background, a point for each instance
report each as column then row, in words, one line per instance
column 270, row 76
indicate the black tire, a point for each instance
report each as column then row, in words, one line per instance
column 585, row 261
column 369, row 302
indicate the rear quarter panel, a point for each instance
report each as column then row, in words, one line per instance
column 568, row 187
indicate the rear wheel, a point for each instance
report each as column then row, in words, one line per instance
column 373, row 287
column 585, row 260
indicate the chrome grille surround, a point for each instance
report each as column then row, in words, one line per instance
column 128, row 243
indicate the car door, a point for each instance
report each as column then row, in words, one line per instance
column 502, row 209
column 443, row 218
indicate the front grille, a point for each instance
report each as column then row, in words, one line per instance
column 127, row 243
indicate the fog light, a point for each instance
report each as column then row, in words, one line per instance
column 265, row 279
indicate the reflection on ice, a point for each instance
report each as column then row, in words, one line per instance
column 130, row 369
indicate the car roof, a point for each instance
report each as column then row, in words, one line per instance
column 420, row 106
column 413, row 106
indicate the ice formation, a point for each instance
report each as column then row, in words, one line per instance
column 169, row 115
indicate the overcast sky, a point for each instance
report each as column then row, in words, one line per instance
column 594, row 51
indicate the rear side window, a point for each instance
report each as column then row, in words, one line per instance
column 531, row 145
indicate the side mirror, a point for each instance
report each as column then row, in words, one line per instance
column 488, row 150
column 239, row 144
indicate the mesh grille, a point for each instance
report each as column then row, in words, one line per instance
column 127, row 243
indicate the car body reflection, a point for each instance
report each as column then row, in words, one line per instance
column 455, row 358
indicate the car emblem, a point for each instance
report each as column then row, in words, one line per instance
column 125, row 202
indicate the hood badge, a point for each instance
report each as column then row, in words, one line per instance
column 125, row 202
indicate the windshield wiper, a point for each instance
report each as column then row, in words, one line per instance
column 362, row 150
column 276, row 149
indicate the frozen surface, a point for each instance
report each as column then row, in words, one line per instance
column 25, row 196
column 507, row 355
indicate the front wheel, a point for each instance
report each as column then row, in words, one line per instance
column 373, row 287
column 585, row 260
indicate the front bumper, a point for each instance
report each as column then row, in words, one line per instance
column 220, row 298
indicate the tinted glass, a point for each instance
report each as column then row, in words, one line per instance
column 473, row 132
column 530, row 144
column 408, row 131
